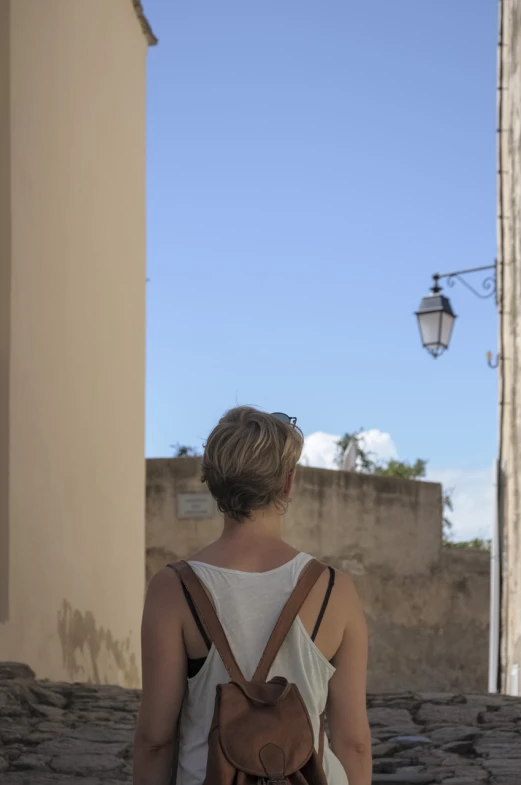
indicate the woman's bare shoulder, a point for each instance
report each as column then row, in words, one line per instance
column 344, row 582
column 164, row 592
column 345, row 597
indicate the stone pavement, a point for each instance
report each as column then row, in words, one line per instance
column 65, row 734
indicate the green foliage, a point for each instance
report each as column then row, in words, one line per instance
column 391, row 468
column 402, row 469
column 446, row 522
column 364, row 459
column 184, row 451
column 477, row 544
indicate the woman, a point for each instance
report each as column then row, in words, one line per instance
column 249, row 466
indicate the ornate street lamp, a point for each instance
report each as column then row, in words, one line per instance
column 436, row 321
column 435, row 315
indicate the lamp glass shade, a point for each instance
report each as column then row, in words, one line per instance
column 436, row 322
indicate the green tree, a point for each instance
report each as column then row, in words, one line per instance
column 476, row 544
column 447, row 523
column 364, row 458
column 184, row 451
column 403, row 470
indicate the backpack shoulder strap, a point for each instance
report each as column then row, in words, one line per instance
column 309, row 576
column 209, row 617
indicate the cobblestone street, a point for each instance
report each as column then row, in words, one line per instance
column 53, row 733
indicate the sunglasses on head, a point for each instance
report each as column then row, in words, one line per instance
column 285, row 418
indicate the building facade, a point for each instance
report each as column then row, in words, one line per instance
column 509, row 302
column 72, row 336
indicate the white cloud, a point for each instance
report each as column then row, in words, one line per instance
column 472, row 490
column 378, row 444
column 320, row 450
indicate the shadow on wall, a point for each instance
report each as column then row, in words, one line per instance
column 91, row 654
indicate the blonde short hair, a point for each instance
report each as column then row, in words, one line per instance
column 248, row 459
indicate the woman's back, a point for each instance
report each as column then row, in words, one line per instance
column 248, row 605
column 249, row 573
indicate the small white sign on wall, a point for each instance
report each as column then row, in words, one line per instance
column 195, row 505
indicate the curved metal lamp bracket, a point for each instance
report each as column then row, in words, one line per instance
column 488, row 285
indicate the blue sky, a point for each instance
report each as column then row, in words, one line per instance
column 310, row 165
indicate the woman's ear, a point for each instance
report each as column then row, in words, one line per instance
column 289, row 483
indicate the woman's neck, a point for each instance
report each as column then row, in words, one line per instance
column 253, row 546
column 262, row 525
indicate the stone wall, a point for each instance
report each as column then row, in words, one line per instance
column 427, row 606
column 360, row 520
column 429, row 631
column 67, row 734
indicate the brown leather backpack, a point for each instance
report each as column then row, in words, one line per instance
column 261, row 731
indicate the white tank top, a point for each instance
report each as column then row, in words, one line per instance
column 248, row 606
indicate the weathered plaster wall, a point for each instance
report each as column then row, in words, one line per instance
column 427, row 606
column 429, row 631
column 72, row 85
column 509, row 268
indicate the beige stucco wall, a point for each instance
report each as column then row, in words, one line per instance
column 509, row 267
column 72, row 85
column 427, row 606
column 5, row 304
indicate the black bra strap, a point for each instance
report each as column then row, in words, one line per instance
column 193, row 611
column 207, row 640
column 325, row 603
